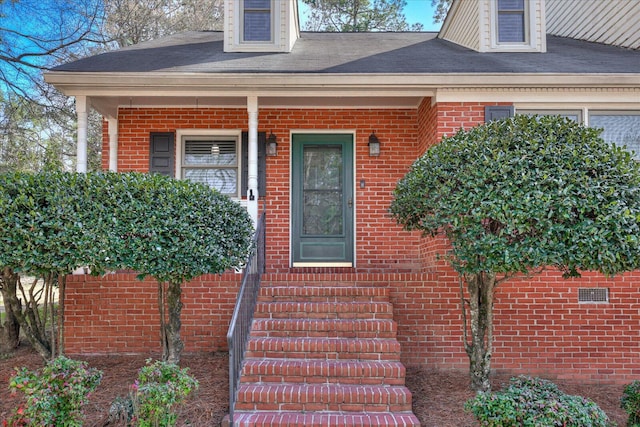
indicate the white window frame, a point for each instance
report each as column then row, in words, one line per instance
column 181, row 134
column 242, row 24
column 530, row 39
column 257, row 46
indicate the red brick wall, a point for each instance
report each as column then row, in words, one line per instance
column 119, row 314
column 540, row 327
column 397, row 130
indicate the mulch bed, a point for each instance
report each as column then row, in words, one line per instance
column 438, row 396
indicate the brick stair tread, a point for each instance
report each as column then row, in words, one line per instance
column 323, row 293
column 325, row 327
column 325, row 419
column 324, row 309
column 345, row 397
column 370, row 372
column 323, row 348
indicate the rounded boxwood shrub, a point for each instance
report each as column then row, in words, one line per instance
column 529, row 402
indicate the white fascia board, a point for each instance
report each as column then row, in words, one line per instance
column 567, row 95
column 172, row 84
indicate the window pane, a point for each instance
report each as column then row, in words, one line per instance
column 322, row 191
column 257, row 4
column 620, row 129
column 511, row 27
column 510, row 4
column 322, row 213
column 257, row 25
column 210, row 152
column 322, row 168
column 223, row 180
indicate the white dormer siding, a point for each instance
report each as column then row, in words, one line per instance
column 260, row 25
column 497, row 25
column 465, row 28
column 613, row 22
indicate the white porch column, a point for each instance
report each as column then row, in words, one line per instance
column 252, row 190
column 113, row 144
column 83, row 119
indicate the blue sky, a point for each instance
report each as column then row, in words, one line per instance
column 421, row 11
column 415, row 11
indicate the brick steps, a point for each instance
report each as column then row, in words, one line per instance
column 323, row 419
column 323, row 371
column 323, row 354
column 323, row 348
column 324, row 310
column 331, row 328
column 322, row 397
column 328, row 293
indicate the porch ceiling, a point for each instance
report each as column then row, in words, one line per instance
column 108, row 105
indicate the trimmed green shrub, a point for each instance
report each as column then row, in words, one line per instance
column 160, row 388
column 515, row 196
column 172, row 230
column 630, row 402
column 534, row 402
column 54, row 394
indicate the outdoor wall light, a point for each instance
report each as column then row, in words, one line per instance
column 272, row 145
column 374, row 145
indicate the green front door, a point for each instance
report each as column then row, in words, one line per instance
column 322, row 199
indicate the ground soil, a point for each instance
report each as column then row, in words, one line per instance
column 438, row 396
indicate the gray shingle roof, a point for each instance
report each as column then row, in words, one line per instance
column 357, row 53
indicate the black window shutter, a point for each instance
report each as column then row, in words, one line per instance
column 495, row 112
column 262, row 163
column 161, row 153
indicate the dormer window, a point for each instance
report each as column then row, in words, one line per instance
column 260, row 25
column 511, row 21
column 257, row 22
column 516, row 26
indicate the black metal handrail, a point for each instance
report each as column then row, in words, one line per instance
column 240, row 326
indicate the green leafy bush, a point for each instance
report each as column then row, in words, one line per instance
column 630, row 402
column 173, row 230
column 160, row 388
column 54, row 394
column 531, row 402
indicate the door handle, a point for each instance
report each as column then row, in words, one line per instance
column 350, row 202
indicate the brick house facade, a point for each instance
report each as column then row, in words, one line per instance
column 541, row 327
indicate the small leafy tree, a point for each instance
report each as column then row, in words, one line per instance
column 516, row 196
column 173, row 231
column 42, row 234
column 53, row 223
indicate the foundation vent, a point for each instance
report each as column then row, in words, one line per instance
column 593, row 295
